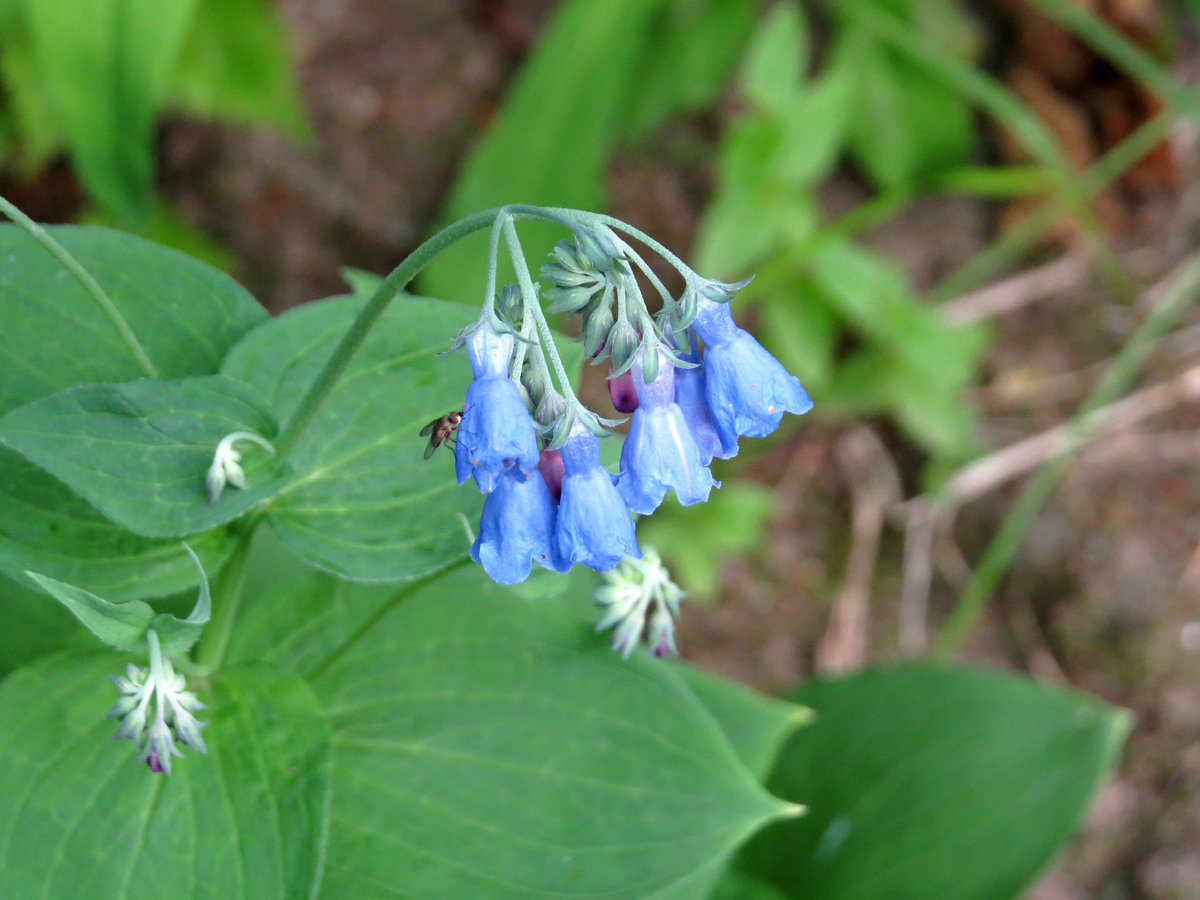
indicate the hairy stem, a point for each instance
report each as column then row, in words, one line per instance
column 344, row 353
column 227, row 598
column 533, row 308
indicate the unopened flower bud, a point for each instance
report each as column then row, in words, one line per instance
column 621, row 389
column 637, row 591
column 599, row 248
column 596, row 328
column 551, row 467
column 622, row 346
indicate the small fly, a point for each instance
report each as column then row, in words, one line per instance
column 441, row 431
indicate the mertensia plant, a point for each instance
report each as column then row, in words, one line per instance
column 385, row 662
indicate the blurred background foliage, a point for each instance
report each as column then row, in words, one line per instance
column 786, row 137
column 92, row 80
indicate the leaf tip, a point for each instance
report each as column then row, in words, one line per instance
column 791, row 810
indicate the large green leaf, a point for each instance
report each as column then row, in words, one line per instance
column 34, row 625
column 106, row 65
column 295, row 616
column 754, row 724
column 139, row 452
column 78, row 809
column 46, row 528
column 492, row 747
column 185, row 314
column 926, row 781
column 362, row 501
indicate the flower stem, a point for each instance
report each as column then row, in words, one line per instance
column 399, row 278
column 156, row 657
column 343, row 354
column 84, row 277
column 534, row 308
column 227, row 598
column 680, row 266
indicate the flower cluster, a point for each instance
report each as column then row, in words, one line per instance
column 636, row 594
column 693, row 382
column 173, row 720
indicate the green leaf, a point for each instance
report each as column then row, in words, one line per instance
column 296, row 616
column 906, row 123
column 551, row 140
column 777, row 59
column 45, row 527
column 694, row 45
column 120, row 625
column 34, row 625
column 926, row 781
column 362, row 501
column 106, row 65
column 752, row 212
column 235, row 66
column 139, row 451
column 813, row 124
column 755, row 725
column 168, row 228
column 124, row 625
column 185, row 314
column 362, row 283
column 521, row 757
column 913, row 362
column 244, row 822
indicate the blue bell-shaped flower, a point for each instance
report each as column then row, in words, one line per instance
column 748, row 389
column 516, row 529
column 660, row 452
column 692, row 396
column 496, row 435
column 594, row 526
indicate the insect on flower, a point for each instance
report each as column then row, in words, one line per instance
column 441, row 430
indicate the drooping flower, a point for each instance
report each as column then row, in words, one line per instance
column 496, row 435
column 636, row 592
column 226, row 466
column 594, row 526
column 516, row 529
column 692, row 396
column 174, row 706
column 748, row 389
column 660, row 452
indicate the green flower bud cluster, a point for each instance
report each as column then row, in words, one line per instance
column 593, row 277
